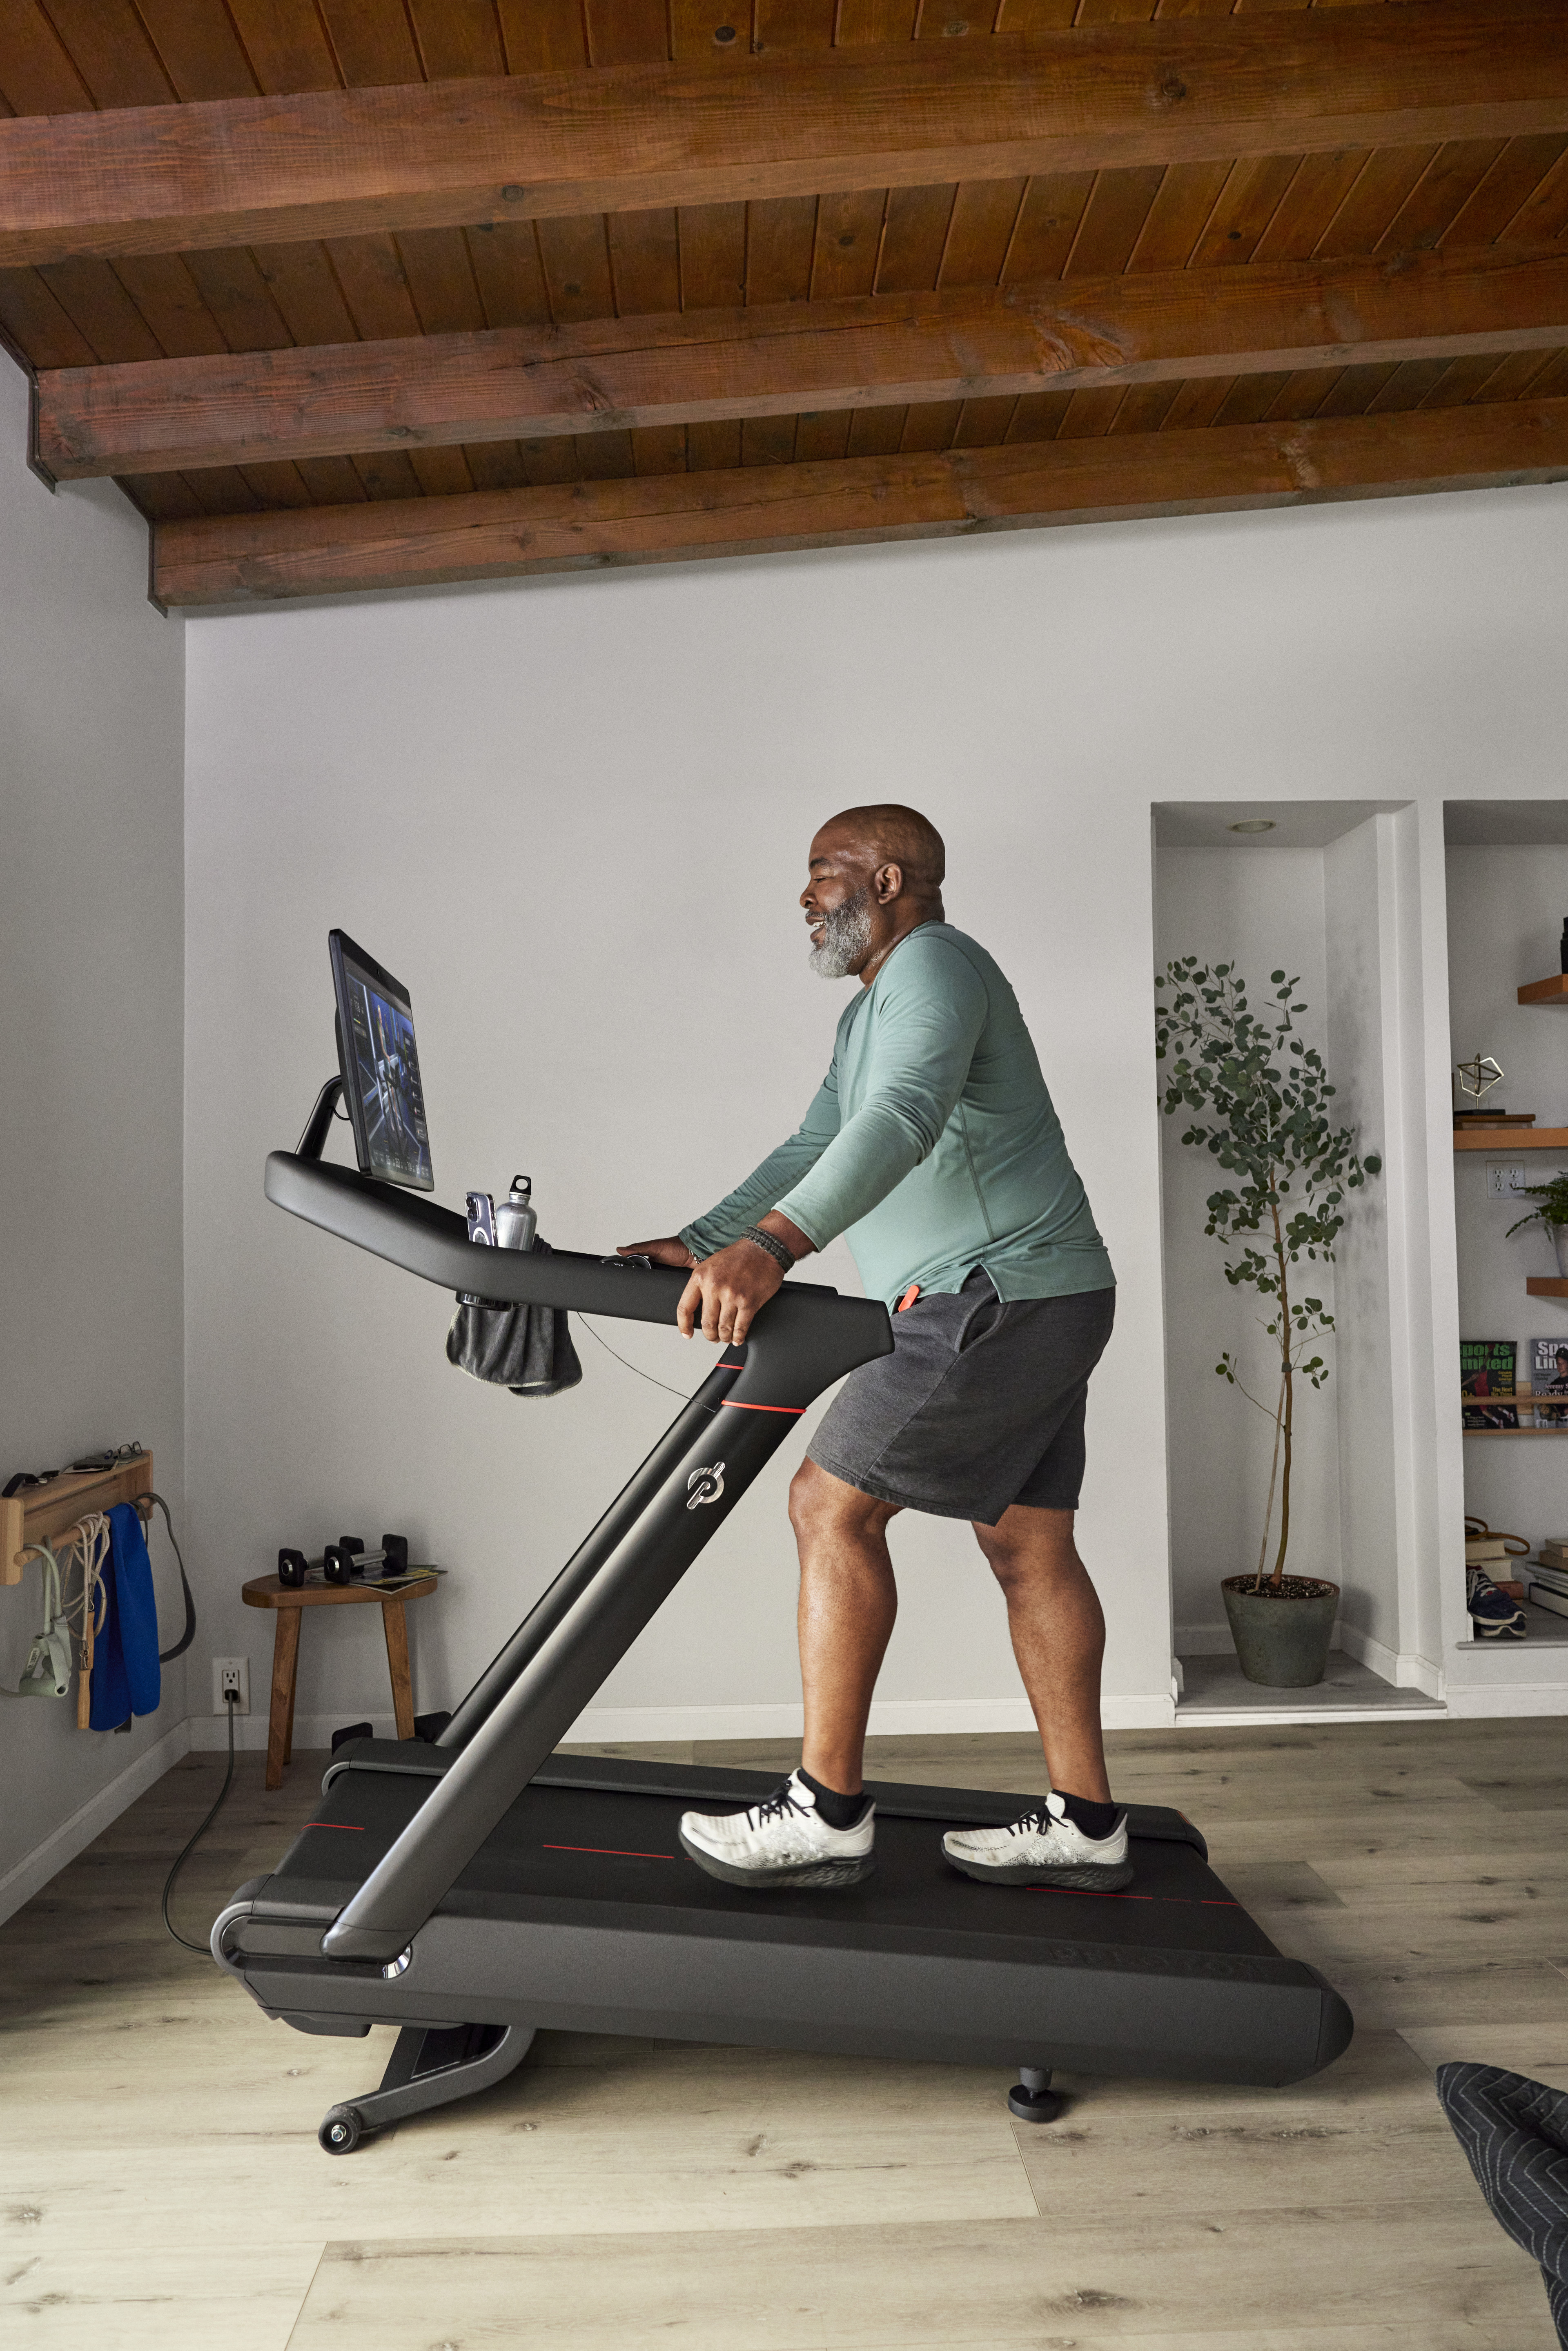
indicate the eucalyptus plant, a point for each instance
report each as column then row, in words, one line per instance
column 1553, row 1199
column 1258, row 1098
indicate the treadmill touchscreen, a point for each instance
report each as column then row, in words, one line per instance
column 381, row 1069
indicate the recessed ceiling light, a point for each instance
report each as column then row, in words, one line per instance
column 1252, row 824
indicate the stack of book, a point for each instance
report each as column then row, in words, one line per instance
column 1491, row 1552
column 1549, row 1580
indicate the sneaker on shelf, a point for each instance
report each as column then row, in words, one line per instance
column 1495, row 1616
column 1044, row 1848
column 782, row 1841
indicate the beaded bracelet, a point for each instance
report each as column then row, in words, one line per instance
column 771, row 1243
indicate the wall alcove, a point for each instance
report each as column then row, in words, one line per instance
column 1325, row 893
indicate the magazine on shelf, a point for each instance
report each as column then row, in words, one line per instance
column 1548, row 1377
column 1487, row 1370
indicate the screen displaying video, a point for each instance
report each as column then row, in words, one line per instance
column 381, row 1072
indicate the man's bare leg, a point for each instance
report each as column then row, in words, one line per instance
column 1058, row 1639
column 848, row 1602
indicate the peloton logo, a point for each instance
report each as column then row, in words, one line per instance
column 706, row 1485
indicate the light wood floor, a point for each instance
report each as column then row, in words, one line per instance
column 161, row 2183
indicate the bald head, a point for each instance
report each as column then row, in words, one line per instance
column 876, row 874
column 886, row 833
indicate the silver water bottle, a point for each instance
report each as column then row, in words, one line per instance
column 516, row 1221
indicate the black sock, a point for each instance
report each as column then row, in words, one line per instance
column 1097, row 1821
column 839, row 1811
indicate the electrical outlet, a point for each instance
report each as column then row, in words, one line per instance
column 1503, row 1183
column 231, row 1674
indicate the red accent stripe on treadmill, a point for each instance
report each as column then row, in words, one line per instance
column 617, row 1853
column 353, row 1827
column 731, row 1404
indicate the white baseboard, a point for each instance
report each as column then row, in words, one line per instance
column 73, row 1836
column 889, row 1718
column 1521, row 1698
column 210, row 1735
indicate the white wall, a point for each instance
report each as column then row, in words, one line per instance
column 1506, row 910
column 91, row 722
column 571, row 813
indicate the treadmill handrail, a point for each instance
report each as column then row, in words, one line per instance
column 804, row 1338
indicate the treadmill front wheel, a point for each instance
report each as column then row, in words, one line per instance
column 1031, row 2097
column 341, row 2131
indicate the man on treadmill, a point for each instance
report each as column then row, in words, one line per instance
column 932, row 1146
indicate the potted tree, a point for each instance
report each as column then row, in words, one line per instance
column 1257, row 1097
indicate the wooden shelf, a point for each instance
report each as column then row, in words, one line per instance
column 43, row 1514
column 1496, row 1139
column 1546, row 991
column 1542, row 1285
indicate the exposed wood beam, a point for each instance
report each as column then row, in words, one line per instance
column 344, row 162
column 586, row 526
column 166, row 416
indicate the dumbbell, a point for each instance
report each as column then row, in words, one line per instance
column 291, row 1568
column 346, row 1558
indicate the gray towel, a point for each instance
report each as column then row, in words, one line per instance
column 528, row 1349
column 1514, row 2133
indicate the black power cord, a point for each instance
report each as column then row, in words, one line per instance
column 232, row 1699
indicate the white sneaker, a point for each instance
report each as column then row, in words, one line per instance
column 782, row 1841
column 1044, row 1848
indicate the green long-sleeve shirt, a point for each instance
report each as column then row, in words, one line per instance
column 932, row 1145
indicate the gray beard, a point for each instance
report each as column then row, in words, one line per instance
column 846, row 934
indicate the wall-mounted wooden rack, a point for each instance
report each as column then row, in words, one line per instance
column 1497, row 1139
column 1546, row 991
column 1544, row 1285
column 44, row 1513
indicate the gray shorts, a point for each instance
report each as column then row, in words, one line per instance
column 978, row 1406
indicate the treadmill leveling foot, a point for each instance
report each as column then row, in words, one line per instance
column 1031, row 2098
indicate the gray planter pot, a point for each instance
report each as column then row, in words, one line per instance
column 1560, row 1249
column 1282, row 1643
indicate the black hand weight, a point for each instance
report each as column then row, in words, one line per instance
column 396, row 1550
column 291, row 1568
column 337, row 1564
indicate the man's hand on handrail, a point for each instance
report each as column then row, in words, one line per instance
column 727, row 1290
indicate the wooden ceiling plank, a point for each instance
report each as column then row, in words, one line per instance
column 372, row 42
column 441, row 472
column 162, row 498
column 1090, row 414
column 1179, row 215
column 1429, row 210
column 90, row 294
column 876, row 431
column 822, row 432
column 1304, row 393
column 197, row 49
column 855, row 500
column 509, row 274
column 659, row 449
column 1381, row 188
column 110, row 49
column 1544, row 215
column 331, row 481
column 893, row 351
column 1252, row 195
column 370, row 273
column 36, row 73
column 1197, row 403
column 914, row 239
column 847, row 241
column 866, row 23
column 304, row 285
column 1506, row 189
column 1461, row 379
column 170, row 300
column 1552, row 380
column 1356, row 389
column 712, row 239
column 627, row 32
column 1047, row 224
column 429, row 155
column 1318, row 190
column 1037, row 415
column 930, row 425
column 695, row 26
column 551, row 461
column 645, row 262
column 387, row 474
column 277, row 485
column 543, row 35
column 239, row 300
column 1145, row 408
column 576, row 257
column 498, row 466
column 1035, row 16
column 33, row 320
column 980, row 231
column 713, row 448
column 458, row 39
column 793, row 24
column 440, row 279
column 780, row 233
column 286, row 44
column 767, row 441
column 1113, row 221
column 1249, row 399
column 1512, row 377
column 983, row 424
column 224, row 491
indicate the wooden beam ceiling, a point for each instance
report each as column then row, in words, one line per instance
column 144, row 180
column 162, row 416
column 591, row 524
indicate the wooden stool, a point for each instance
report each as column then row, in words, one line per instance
column 266, row 1592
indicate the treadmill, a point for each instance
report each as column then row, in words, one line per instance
column 477, row 1888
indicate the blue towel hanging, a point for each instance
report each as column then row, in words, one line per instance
column 126, row 1677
